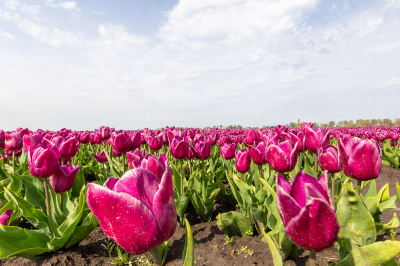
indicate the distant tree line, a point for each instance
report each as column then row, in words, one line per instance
column 351, row 123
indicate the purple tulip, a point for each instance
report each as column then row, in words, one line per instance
column 138, row 212
column 84, row 137
column 300, row 139
column 135, row 158
column 155, row 165
column 135, row 140
column 192, row 154
column 257, row 153
column 5, row 217
column 228, row 151
column 121, row 142
column 328, row 159
column 251, row 136
column 304, row 126
column 67, row 148
column 203, row 149
column 213, row 139
column 242, row 161
column 13, row 142
column 105, row 132
column 316, row 139
column 361, row 159
column 282, row 157
column 64, row 178
column 43, row 161
column 155, row 142
column 4, row 157
column 31, row 141
column 307, row 211
column 101, row 157
column 179, row 147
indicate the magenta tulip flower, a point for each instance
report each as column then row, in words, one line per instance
column 137, row 211
column 31, row 141
column 13, row 142
column 213, row 139
column 5, row 217
column 4, row 156
column 282, row 157
column 257, row 153
column 135, row 140
column 203, row 149
column 43, row 161
column 242, row 161
column 251, row 136
column 316, row 139
column 154, row 164
column 361, row 159
column 328, row 159
column 192, row 154
column 228, row 151
column 155, row 142
column 105, row 132
column 300, row 139
column 179, row 147
column 84, row 137
column 304, row 126
column 121, row 143
column 135, row 158
column 67, row 148
column 101, row 157
column 64, row 178
column 307, row 211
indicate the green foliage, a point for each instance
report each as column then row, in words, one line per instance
column 234, row 223
column 188, row 251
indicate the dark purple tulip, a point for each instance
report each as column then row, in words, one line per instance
column 316, row 139
column 155, row 142
column 282, row 157
column 63, row 179
column 13, row 141
column 116, row 153
column 242, row 161
column 307, row 211
column 251, row 136
column 192, row 154
column 228, row 151
column 67, row 148
column 84, row 137
column 203, row 149
column 43, row 161
column 361, row 159
column 17, row 153
column 105, row 132
column 212, row 139
column 4, row 157
column 304, row 126
column 101, row 157
column 23, row 132
column 155, row 165
column 135, row 158
column 5, row 217
column 121, row 142
column 2, row 139
column 328, row 159
column 300, row 139
column 179, row 147
column 31, row 141
column 257, row 153
column 135, row 140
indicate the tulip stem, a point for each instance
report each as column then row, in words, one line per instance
column 48, row 206
column 299, row 161
column 181, row 178
column 62, row 202
column 315, row 165
column 123, row 164
column 359, row 187
column 203, row 181
column 62, row 161
column 13, row 161
column 333, row 190
column 313, row 258
column 155, row 253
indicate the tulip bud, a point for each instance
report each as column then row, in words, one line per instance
column 64, row 178
column 242, row 161
column 257, row 153
column 307, row 211
column 316, row 139
column 228, row 151
column 121, row 143
column 282, row 157
column 13, row 141
column 43, row 161
column 328, row 159
column 5, row 217
column 179, row 147
column 203, row 149
column 155, row 142
column 67, row 148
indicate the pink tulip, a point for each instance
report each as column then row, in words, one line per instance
column 135, row 158
column 5, row 217
column 282, row 157
column 316, row 139
column 328, row 159
column 63, row 179
column 43, row 161
column 228, row 151
column 155, row 165
column 13, row 141
column 203, row 149
column 179, row 147
column 257, row 153
column 242, row 161
column 101, row 157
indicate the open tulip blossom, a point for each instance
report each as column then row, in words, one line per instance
column 137, row 211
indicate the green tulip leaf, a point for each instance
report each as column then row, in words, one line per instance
column 22, row 242
column 234, row 191
column 393, row 224
column 79, row 183
column 274, row 221
column 377, row 253
column 182, row 202
column 81, row 232
column 188, row 251
column 113, row 169
column 235, row 224
column 388, row 204
column 372, row 189
column 398, row 191
column 276, row 257
column 224, row 193
column 357, row 226
column 34, row 191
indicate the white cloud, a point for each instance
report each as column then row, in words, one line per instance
column 6, row 34
column 71, row 5
column 68, row 5
column 98, row 13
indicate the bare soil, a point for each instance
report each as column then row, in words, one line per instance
column 210, row 247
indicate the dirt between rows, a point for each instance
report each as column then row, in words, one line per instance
column 210, row 245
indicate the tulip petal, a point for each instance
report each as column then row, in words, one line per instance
column 140, row 184
column 298, row 191
column 110, row 183
column 124, row 219
column 316, row 227
column 287, row 206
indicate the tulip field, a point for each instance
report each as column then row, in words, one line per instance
column 190, row 196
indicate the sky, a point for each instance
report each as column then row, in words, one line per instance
column 189, row 63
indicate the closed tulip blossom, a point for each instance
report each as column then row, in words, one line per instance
column 64, row 178
column 105, row 132
column 135, row 140
column 304, row 126
column 179, row 147
column 155, row 142
column 328, row 159
column 316, row 139
column 5, row 217
column 84, row 137
column 101, row 157
column 67, row 147
column 300, row 139
column 257, row 153
column 31, row 141
column 361, row 159
column 121, row 143
column 203, row 149
column 242, row 161
column 137, row 211
column 228, row 151
column 135, row 158
column 13, row 142
column 154, row 164
column 43, row 161
column 307, row 211
column 282, row 157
